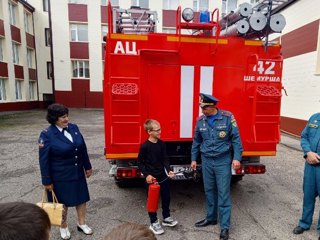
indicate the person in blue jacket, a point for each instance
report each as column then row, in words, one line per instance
column 310, row 143
column 218, row 141
column 65, row 165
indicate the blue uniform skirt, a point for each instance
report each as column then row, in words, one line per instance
column 71, row 193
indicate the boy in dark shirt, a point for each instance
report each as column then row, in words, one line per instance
column 153, row 163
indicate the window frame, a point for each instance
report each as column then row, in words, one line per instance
column 138, row 3
column 18, row 89
column 15, row 53
column 30, row 53
column 45, row 5
column 1, row 50
column 79, row 68
column 168, row 5
column 27, row 22
column 3, row 93
column 49, row 70
column 47, row 35
column 102, row 32
column 12, row 13
column 74, row 28
column 78, row 1
column 32, row 90
column 198, row 5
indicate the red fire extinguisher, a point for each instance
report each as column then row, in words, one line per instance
column 153, row 197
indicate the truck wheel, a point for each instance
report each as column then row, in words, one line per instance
column 236, row 178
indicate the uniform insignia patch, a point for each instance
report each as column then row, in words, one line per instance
column 40, row 143
column 313, row 125
column 222, row 134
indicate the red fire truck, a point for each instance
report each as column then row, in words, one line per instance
column 160, row 75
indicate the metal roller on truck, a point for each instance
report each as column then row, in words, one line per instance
column 160, row 75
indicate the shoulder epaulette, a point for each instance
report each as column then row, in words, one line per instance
column 226, row 113
column 45, row 130
column 201, row 117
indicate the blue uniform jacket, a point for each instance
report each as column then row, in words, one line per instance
column 219, row 140
column 59, row 158
column 310, row 136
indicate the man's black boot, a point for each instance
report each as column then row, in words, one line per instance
column 224, row 235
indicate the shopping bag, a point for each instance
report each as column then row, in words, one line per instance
column 53, row 209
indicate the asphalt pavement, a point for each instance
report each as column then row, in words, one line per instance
column 264, row 207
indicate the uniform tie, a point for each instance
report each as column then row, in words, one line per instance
column 65, row 129
column 67, row 134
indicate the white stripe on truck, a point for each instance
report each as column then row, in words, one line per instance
column 186, row 101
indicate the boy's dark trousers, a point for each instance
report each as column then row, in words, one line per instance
column 165, row 198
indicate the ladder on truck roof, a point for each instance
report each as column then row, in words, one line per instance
column 134, row 20
column 277, row 5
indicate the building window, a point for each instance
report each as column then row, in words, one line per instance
column 12, row 13
column 45, row 4
column 3, row 96
column 49, row 70
column 28, row 22
column 47, row 36
column 200, row 5
column 15, row 53
column 80, row 69
column 79, row 32
column 1, row 13
column 30, row 57
column 18, row 89
column 113, row 2
column 140, row 3
column 170, row 4
column 78, row 1
column 169, row 30
column 1, row 49
column 32, row 90
column 104, row 31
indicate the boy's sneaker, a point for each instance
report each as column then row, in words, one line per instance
column 169, row 222
column 156, row 228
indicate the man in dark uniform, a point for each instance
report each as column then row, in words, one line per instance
column 310, row 143
column 218, row 141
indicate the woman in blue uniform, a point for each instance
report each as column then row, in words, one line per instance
column 65, row 165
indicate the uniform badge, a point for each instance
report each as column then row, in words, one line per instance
column 40, row 143
column 313, row 125
column 222, row 134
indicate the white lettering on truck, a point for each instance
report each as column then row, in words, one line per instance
column 130, row 49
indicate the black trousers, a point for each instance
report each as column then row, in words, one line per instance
column 165, row 199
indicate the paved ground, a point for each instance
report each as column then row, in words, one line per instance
column 264, row 206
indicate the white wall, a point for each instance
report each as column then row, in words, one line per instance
column 61, row 47
column 302, row 86
column 41, row 21
column 299, row 74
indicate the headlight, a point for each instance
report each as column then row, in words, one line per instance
column 187, row 14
